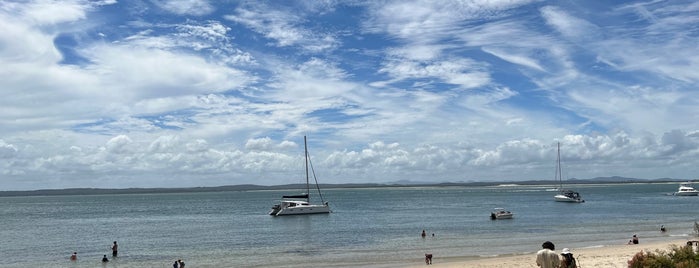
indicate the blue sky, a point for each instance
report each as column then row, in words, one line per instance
column 157, row 93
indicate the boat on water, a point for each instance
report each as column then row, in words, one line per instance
column 564, row 195
column 301, row 204
column 500, row 213
column 686, row 189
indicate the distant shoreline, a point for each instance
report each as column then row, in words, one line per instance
column 252, row 187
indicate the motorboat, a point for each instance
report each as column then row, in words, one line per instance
column 500, row 213
column 686, row 189
column 301, row 204
column 564, row 195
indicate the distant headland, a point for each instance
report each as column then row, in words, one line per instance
column 252, row 187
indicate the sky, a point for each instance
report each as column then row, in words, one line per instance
column 187, row 93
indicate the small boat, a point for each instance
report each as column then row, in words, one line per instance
column 500, row 213
column 686, row 189
column 564, row 195
column 301, row 204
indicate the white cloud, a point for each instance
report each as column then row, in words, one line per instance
column 50, row 12
column 569, row 26
column 119, row 144
column 7, row 150
column 284, row 27
column 523, row 60
column 464, row 73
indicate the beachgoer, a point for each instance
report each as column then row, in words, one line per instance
column 104, row 259
column 662, row 228
column 176, row 264
column 423, row 233
column 547, row 257
column 74, row 257
column 428, row 258
column 568, row 260
column 634, row 239
column 181, row 263
column 115, row 247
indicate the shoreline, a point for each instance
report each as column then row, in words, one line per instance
column 608, row 256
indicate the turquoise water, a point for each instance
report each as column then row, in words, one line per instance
column 368, row 227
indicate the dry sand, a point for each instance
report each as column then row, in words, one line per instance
column 616, row 256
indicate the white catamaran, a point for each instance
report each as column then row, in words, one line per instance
column 563, row 194
column 300, row 204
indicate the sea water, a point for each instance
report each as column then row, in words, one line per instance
column 377, row 227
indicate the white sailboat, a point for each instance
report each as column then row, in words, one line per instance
column 564, row 195
column 300, row 204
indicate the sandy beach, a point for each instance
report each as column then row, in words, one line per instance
column 615, row 256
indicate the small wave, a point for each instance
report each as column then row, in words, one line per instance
column 595, row 246
column 488, row 256
column 679, row 235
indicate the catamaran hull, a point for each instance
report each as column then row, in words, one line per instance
column 300, row 210
column 563, row 198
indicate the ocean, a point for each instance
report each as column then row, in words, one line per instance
column 369, row 227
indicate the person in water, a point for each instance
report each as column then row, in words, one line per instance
column 74, row 257
column 104, row 259
column 423, row 233
column 115, row 248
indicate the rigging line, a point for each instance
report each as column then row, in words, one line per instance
column 313, row 171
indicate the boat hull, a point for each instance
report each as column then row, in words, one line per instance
column 500, row 217
column 301, row 210
column 564, row 198
column 687, row 193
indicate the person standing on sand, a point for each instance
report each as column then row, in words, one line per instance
column 115, row 248
column 568, row 260
column 176, row 264
column 546, row 257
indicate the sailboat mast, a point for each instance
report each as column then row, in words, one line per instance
column 305, row 153
column 559, row 174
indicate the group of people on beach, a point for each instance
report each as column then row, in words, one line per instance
column 547, row 257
